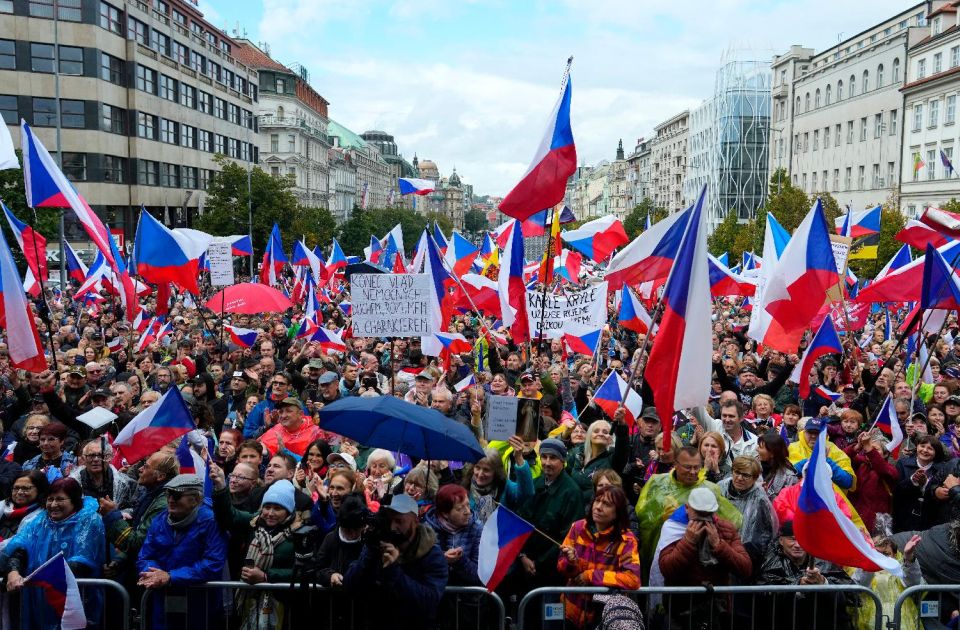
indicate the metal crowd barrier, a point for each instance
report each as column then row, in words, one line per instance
column 331, row 608
column 926, row 612
column 112, row 605
column 672, row 606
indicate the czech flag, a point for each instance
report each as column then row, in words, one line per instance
column 676, row 371
column 650, row 255
column 919, row 235
column 858, row 224
column 581, row 339
column 513, row 292
column 16, row 317
column 797, row 287
column 34, row 248
column 889, row 424
column 338, row 259
column 273, row 258
column 826, row 341
column 823, row 530
column 536, row 223
column 632, row 314
column 567, row 265
column 96, row 274
column 902, row 258
column 503, row 536
column 330, row 340
column 463, row 384
column 439, row 237
column 906, row 283
column 723, row 282
column 304, row 256
column 545, row 182
column 60, row 590
column 159, row 424
column 460, row 254
column 940, row 288
column 615, row 391
column 243, row 337
column 454, row 342
column 947, row 223
column 241, row 245
column 165, row 256
column 416, row 186
column 598, row 238
column 374, row 252
column 476, row 291
column 75, row 267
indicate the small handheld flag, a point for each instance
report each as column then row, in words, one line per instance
column 61, row 591
column 503, row 536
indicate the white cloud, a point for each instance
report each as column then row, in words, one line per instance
column 481, row 105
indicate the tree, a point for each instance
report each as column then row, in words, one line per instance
column 951, row 206
column 724, row 237
column 787, row 203
column 636, row 219
column 46, row 220
column 225, row 211
column 475, row 221
column 354, row 234
column 316, row 225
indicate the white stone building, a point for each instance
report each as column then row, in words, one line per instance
column 638, row 173
column 669, row 161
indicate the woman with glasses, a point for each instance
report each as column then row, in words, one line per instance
column 28, row 494
column 759, row 520
column 70, row 524
column 29, row 446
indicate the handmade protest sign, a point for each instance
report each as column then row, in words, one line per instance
column 391, row 305
column 588, row 307
column 220, row 259
column 501, row 417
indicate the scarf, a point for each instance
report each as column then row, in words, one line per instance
column 447, row 526
column 264, row 542
column 260, row 611
column 14, row 514
column 483, row 501
column 186, row 521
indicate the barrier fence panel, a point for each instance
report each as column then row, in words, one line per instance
column 222, row 605
column 105, row 602
column 926, row 606
column 793, row 607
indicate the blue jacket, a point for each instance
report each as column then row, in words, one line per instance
column 406, row 594
column 463, row 573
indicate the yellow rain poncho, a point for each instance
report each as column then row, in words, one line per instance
column 800, row 451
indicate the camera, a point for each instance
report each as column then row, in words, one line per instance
column 306, row 540
column 369, row 381
column 377, row 530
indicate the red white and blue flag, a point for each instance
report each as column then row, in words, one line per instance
column 947, row 223
column 159, row 424
column 76, row 270
column 615, row 391
column 512, row 289
column 16, row 317
column 415, row 186
column 940, row 289
column 243, row 337
column 273, row 258
column 460, row 254
column 580, row 338
column 889, row 424
column 598, row 238
column 454, row 342
column 906, row 283
column 338, row 260
column 826, row 341
column 60, row 590
column 724, row 282
column 823, row 530
column 503, row 536
column 632, row 315
column 567, row 266
column 676, row 371
column 858, row 224
column 167, row 256
column 464, row 384
column 34, row 248
column 902, row 258
column 649, row 257
column 917, row 234
column 330, row 340
column 545, row 182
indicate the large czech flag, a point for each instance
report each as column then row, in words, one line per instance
column 649, row 257
column 940, row 289
column 676, row 370
column 632, row 315
column 166, row 256
column 513, row 291
column 159, row 424
column 598, row 238
column 919, row 234
column 906, row 283
column 34, row 248
column 16, row 318
column 503, row 536
column 823, row 530
column 545, row 182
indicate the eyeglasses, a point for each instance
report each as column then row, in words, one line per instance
column 235, row 476
column 22, row 489
column 279, row 383
column 743, row 475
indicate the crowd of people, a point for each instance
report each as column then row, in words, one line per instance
column 612, row 505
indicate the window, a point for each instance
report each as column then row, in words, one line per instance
column 205, row 101
column 853, row 86
column 160, row 42
column 74, row 166
column 110, row 18
column 937, row 25
column 839, row 90
column 917, row 116
column 878, row 125
column 233, row 148
column 179, row 17
column 282, row 87
column 893, row 122
column 866, row 82
column 836, row 137
column 188, row 136
column 206, row 176
column 806, row 102
column 188, row 95
column 219, row 144
column 136, row 30
column 233, row 113
column 948, row 152
column 816, row 99
column 114, row 168
column 955, row 56
column 205, row 141
column 896, row 70
column 44, row 112
column 849, row 132
column 220, row 108
column 146, row 79
column 826, row 96
column 8, row 109
column 863, row 129
column 111, row 69
column 826, row 137
column 891, row 175
column 292, row 142
column 68, row 10
column 71, row 60
column 170, row 175
column 816, row 139
column 189, row 177
column 804, row 179
column 876, row 176
column 146, row 126
column 861, row 175
column 180, row 53
column 275, row 142
column 796, row 143
column 168, row 131
column 780, row 148
column 836, row 179
column 198, row 62
column 215, row 72
column 931, row 164
column 796, row 108
column 41, row 57
column 147, row 172
column 880, row 76
column 934, row 112
column 168, row 88
column 113, row 119
column 921, row 68
column 813, row 182
column 937, row 62
column 275, row 171
column 846, row 179
column 8, row 54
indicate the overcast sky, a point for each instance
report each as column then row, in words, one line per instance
column 468, row 83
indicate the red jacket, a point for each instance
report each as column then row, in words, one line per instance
column 876, row 478
column 681, row 566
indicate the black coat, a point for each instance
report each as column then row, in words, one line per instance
column 335, row 556
column 916, row 508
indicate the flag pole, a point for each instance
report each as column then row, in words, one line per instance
column 546, row 270
column 45, row 313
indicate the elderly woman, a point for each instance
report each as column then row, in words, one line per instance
column 759, row 520
column 458, row 534
column 70, row 524
column 29, row 446
column 488, row 483
column 380, row 480
column 28, row 495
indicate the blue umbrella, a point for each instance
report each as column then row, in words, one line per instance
column 390, row 423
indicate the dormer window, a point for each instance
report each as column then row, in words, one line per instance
column 937, row 25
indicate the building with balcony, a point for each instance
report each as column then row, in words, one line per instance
column 669, row 161
column 141, row 95
column 638, row 173
column 342, row 184
column 373, row 173
column 931, row 134
column 292, row 118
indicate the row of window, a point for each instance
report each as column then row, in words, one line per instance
column 933, row 113
column 67, row 10
column 112, row 19
column 929, row 165
column 824, row 98
column 152, row 173
column 42, row 57
column 937, row 65
column 154, row 82
column 811, row 183
column 802, row 142
column 45, row 112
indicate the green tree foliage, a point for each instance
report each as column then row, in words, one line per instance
column 46, row 220
column 727, row 238
column 951, row 206
column 637, row 218
column 354, row 234
column 475, row 221
column 316, row 225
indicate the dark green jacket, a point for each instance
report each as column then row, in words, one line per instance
column 241, row 526
column 552, row 510
column 128, row 539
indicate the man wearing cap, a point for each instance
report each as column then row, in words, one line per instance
column 75, row 386
column 642, row 445
column 799, row 452
column 261, row 417
column 404, row 576
column 292, row 432
column 749, row 382
column 329, row 384
column 183, row 547
column 423, row 384
column 557, row 502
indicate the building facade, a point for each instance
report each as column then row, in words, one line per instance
column 838, row 115
column 292, row 118
column 342, row 184
column 638, row 173
column 399, row 167
column 373, row 174
column 148, row 95
column 931, row 135
column 669, row 161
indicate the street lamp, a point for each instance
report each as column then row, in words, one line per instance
column 249, row 124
